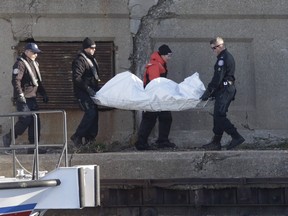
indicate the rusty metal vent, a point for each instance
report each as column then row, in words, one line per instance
column 56, row 69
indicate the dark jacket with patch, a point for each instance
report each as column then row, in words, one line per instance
column 224, row 70
column 25, row 83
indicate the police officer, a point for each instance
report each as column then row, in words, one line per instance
column 223, row 89
column 85, row 81
column 157, row 67
column 27, row 83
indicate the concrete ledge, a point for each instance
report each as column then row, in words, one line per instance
column 163, row 165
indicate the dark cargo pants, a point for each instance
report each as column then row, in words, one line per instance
column 27, row 121
column 223, row 99
column 88, row 126
column 148, row 122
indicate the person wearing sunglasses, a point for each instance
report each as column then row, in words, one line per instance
column 222, row 88
column 27, row 83
column 157, row 67
column 85, row 77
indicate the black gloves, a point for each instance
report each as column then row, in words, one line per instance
column 91, row 92
column 206, row 95
column 45, row 98
column 21, row 99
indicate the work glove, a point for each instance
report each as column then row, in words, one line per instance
column 21, row 99
column 91, row 92
column 45, row 98
column 206, row 95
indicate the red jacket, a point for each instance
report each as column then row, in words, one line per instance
column 155, row 68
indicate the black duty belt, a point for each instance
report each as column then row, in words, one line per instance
column 228, row 82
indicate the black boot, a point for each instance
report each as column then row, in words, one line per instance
column 77, row 141
column 7, row 139
column 89, row 140
column 144, row 146
column 41, row 150
column 237, row 139
column 165, row 144
column 214, row 144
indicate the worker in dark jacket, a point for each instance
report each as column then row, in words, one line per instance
column 27, row 83
column 85, row 81
column 222, row 87
column 156, row 68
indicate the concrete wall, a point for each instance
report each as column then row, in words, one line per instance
column 255, row 32
column 66, row 21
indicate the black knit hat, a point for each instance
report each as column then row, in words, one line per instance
column 164, row 50
column 87, row 42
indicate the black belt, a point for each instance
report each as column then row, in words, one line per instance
column 228, row 82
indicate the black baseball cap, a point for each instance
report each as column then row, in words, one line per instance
column 33, row 47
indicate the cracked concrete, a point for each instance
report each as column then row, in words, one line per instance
column 177, row 164
column 33, row 4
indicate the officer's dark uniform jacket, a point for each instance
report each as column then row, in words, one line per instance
column 27, row 80
column 85, row 74
column 223, row 89
column 224, row 70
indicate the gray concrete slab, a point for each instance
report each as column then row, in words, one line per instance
column 161, row 165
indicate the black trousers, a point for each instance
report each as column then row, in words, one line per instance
column 88, row 126
column 148, row 122
column 27, row 121
column 223, row 99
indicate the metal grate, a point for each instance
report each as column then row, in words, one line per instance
column 56, row 69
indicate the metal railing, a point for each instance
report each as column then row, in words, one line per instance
column 13, row 147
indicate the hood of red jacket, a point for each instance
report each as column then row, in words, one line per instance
column 155, row 57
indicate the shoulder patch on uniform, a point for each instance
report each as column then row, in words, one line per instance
column 220, row 62
column 16, row 71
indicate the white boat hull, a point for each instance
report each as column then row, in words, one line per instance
column 78, row 188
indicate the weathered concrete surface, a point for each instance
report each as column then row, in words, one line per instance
column 161, row 165
column 255, row 32
column 187, row 27
column 63, row 22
